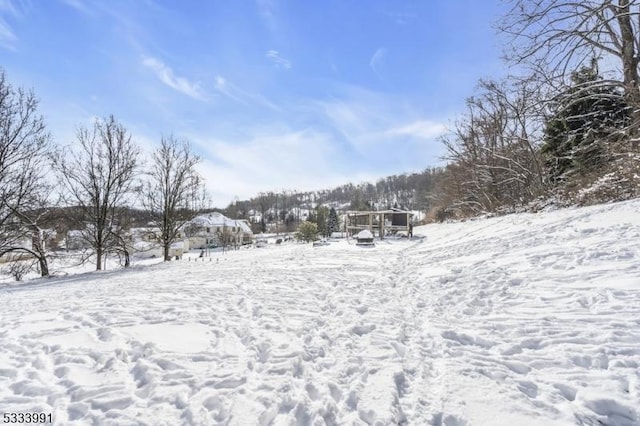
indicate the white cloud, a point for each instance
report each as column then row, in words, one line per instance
column 421, row 129
column 383, row 133
column 376, row 60
column 270, row 160
column 278, row 60
column 231, row 91
column 360, row 136
column 167, row 76
column 8, row 38
column 362, row 117
column 365, row 117
column 79, row 5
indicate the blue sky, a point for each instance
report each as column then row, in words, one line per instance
column 273, row 94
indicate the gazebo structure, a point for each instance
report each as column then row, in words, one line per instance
column 382, row 222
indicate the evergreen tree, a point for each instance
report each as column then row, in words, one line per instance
column 322, row 214
column 584, row 119
column 332, row 222
column 307, row 232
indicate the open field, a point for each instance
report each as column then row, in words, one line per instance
column 522, row 319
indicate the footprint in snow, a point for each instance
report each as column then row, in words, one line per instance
column 361, row 330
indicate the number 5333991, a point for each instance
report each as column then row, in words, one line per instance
column 26, row 418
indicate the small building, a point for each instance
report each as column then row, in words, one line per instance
column 382, row 222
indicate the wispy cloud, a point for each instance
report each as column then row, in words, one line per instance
column 373, row 123
column 166, row 75
column 79, row 5
column 271, row 159
column 376, row 60
column 8, row 38
column 278, row 60
column 421, row 129
column 235, row 93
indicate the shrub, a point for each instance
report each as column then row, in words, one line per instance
column 307, row 232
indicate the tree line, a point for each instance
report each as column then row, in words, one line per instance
column 98, row 178
column 287, row 209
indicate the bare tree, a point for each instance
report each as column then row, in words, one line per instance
column 494, row 150
column 29, row 227
column 98, row 176
column 24, row 146
column 174, row 192
column 556, row 37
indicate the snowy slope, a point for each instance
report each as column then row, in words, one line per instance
column 523, row 319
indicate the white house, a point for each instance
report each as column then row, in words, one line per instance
column 75, row 240
column 215, row 229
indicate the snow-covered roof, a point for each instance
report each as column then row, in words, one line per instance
column 244, row 225
column 219, row 220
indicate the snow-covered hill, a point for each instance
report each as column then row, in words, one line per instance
column 529, row 319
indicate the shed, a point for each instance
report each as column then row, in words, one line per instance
column 383, row 221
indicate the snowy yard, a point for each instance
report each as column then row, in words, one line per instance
column 517, row 320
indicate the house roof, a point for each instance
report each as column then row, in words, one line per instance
column 219, row 220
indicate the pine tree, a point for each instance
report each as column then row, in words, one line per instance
column 322, row 214
column 584, row 120
column 332, row 222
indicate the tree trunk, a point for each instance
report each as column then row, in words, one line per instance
column 166, row 247
column 44, row 267
column 98, row 258
column 39, row 249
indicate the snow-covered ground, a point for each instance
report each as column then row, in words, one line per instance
column 528, row 319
